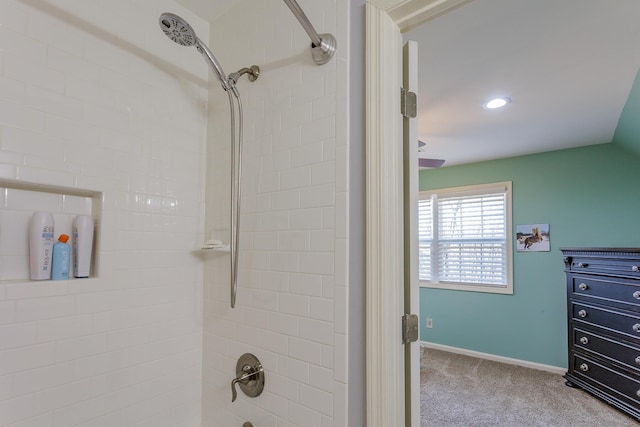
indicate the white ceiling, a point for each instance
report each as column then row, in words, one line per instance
column 567, row 65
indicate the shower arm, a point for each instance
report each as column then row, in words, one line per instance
column 253, row 71
column 323, row 46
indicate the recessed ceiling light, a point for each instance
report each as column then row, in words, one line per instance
column 497, row 103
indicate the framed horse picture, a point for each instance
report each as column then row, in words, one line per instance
column 533, row 238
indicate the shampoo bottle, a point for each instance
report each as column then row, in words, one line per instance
column 61, row 259
column 82, row 245
column 40, row 245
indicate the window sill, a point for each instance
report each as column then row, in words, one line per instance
column 489, row 289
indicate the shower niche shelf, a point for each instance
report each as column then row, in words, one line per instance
column 213, row 245
column 19, row 200
column 205, row 249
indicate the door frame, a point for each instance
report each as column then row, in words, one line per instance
column 385, row 20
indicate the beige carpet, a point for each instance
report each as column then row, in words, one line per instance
column 463, row 391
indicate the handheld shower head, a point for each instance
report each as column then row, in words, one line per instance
column 179, row 30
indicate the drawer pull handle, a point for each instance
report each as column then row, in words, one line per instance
column 636, row 294
column 638, row 360
column 636, row 327
column 584, row 367
column 583, row 314
column 583, row 286
column 635, row 268
column 585, row 341
column 583, row 265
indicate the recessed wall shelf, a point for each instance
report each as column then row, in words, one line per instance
column 19, row 200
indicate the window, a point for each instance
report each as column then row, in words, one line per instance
column 464, row 238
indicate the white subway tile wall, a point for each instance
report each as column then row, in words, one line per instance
column 94, row 97
column 292, row 300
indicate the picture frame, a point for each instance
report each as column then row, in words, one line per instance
column 533, row 238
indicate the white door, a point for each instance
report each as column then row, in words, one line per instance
column 411, row 285
column 385, row 383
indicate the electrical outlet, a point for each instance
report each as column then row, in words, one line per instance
column 429, row 322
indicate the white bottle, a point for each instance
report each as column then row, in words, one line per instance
column 82, row 245
column 41, row 245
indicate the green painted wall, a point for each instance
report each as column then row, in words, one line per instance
column 590, row 196
column 627, row 133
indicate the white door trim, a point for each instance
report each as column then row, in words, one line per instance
column 384, row 256
column 384, row 190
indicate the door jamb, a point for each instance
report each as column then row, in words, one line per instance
column 385, row 19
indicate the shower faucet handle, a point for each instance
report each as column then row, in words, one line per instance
column 244, row 379
column 249, row 377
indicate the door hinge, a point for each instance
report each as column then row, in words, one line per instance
column 410, row 323
column 408, row 103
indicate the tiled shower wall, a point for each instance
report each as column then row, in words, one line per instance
column 292, row 299
column 94, row 97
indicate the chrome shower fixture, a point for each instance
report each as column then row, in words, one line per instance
column 253, row 71
column 179, row 30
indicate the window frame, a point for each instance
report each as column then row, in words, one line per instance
column 480, row 189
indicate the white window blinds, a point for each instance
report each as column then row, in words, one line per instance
column 464, row 236
column 472, row 238
column 425, row 238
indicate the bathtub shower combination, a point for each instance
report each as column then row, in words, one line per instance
column 250, row 375
column 323, row 47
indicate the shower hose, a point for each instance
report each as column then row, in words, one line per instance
column 236, row 175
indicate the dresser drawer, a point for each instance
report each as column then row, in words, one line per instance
column 612, row 320
column 613, row 266
column 605, row 289
column 616, row 351
column 625, row 387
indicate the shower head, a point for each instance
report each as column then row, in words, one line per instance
column 179, row 30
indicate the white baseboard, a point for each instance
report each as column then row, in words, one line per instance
column 524, row 363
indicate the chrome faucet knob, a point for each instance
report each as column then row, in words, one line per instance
column 244, row 379
column 249, row 377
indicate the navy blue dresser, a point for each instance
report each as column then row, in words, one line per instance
column 603, row 306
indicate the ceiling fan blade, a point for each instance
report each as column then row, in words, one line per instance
column 423, row 161
column 430, row 163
